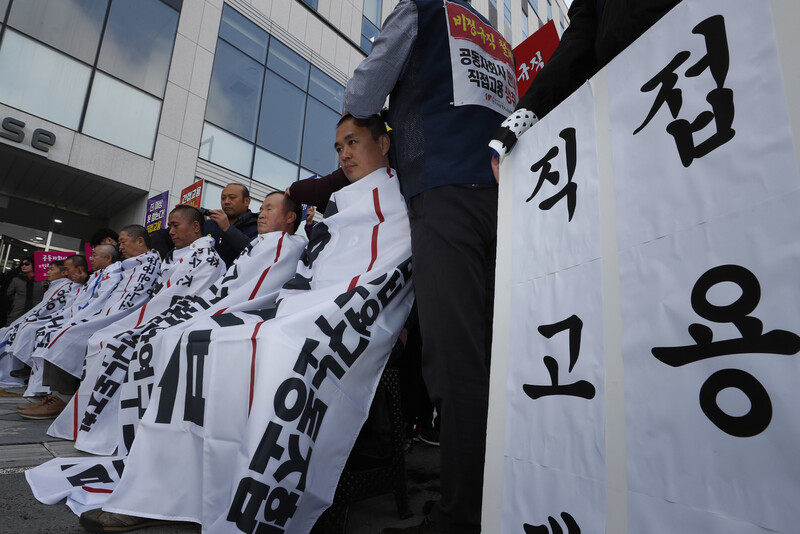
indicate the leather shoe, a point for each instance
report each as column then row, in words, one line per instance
column 99, row 521
column 50, row 407
column 425, row 527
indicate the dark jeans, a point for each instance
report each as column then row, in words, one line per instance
column 453, row 242
column 58, row 379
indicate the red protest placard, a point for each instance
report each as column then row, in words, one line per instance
column 532, row 54
column 193, row 194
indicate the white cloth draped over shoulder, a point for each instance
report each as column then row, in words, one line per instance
column 252, row 282
column 66, row 347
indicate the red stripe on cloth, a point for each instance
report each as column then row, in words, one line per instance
column 264, row 274
column 168, row 282
column 220, row 312
column 58, row 336
column 253, row 366
column 376, row 201
column 75, row 415
column 96, row 490
column 141, row 315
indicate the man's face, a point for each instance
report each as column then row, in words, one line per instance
column 75, row 273
column 359, row 153
column 233, row 201
column 54, row 272
column 273, row 216
column 181, row 231
column 99, row 259
column 130, row 247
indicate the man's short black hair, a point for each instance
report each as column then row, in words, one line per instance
column 191, row 214
column 57, row 263
column 78, row 261
column 135, row 231
column 290, row 206
column 245, row 190
column 374, row 123
column 101, row 234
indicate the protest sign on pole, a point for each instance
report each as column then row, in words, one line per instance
column 156, row 217
column 646, row 345
column 533, row 53
column 193, row 194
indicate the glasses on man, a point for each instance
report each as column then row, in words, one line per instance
column 25, row 263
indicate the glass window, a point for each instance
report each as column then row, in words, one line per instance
column 3, row 7
column 318, row 153
column 226, row 150
column 549, row 10
column 235, row 91
column 535, row 5
column 368, row 34
column 28, row 72
column 137, row 44
column 524, row 24
column 211, row 196
column 311, row 3
column 288, row 64
column 72, row 26
column 122, row 115
column 507, row 12
column 283, row 108
column 274, row 171
column 325, row 89
column 372, row 11
column 243, row 34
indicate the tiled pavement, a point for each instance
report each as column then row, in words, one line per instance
column 25, row 444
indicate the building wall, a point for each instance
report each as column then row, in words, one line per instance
column 329, row 37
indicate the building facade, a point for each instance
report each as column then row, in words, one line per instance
column 105, row 103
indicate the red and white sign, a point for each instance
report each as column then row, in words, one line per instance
column 480, row 57
column 532, row 54
column 193, row 194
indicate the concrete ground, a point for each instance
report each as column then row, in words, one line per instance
column 25, row 444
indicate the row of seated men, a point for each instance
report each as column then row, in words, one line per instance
column 127, row 286
column 144, row 301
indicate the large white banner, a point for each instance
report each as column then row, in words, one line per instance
column 685, row 261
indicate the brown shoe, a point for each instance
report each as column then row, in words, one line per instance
column 25, row 407
column 50, row 407
column 99, row 521
column 426, row 527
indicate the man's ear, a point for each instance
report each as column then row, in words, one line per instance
column 384, row 143
column 291, row 217
column 247, row 203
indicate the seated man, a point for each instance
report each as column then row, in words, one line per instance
column 309, row 375
column 234, row 226
column 252, row 282
column 66, row 347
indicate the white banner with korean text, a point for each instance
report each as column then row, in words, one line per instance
column 649, row 341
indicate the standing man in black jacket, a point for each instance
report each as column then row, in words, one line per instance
column 234, row 226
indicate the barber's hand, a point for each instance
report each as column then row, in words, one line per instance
column 310, row 215
column 496, row 168
column 288, row 191
column 219, row 217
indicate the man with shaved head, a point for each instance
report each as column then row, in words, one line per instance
column 233, row 226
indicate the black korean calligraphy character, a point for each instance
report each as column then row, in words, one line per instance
column 555, row 528
column 752, row 340
column 570, row 189
column 716, row 61
column 581, row 388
